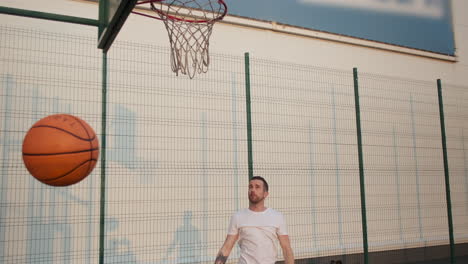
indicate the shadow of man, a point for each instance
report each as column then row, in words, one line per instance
column 187, row 240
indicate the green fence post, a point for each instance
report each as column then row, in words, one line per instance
column 102, row 232
column 361, row 167
column 103, row 5
column 249, row 117
column 446, row 172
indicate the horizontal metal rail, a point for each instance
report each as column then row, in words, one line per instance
column 48, row 16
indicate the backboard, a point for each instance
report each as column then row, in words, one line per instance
column 112, row 16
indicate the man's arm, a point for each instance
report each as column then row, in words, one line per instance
column 287, row 250
column 225, row 250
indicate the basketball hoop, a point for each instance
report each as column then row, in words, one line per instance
column 189, row 24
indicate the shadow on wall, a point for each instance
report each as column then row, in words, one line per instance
column 187, row 240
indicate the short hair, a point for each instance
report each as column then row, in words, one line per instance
column 265, row 183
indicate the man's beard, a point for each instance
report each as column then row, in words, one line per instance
column 255, row 199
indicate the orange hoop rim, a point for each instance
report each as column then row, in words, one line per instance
column 165, row 15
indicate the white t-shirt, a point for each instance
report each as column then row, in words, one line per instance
column 258, row 235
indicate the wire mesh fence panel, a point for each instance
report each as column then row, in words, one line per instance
column 304, row 143
column 41, row 74
column 455, row 109
column 177, row 156
column 405, row 184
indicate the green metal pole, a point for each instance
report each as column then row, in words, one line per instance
column 102, row 217
column 103, row 5
column 361, row 167
column 249, row 114
column 48, row 16
column 446, row 172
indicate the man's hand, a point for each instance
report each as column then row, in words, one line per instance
column 220, row 259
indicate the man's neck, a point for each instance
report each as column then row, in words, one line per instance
column 260, row 207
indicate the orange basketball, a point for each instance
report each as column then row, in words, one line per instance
column 60, row 150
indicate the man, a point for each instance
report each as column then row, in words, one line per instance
column 257, row 228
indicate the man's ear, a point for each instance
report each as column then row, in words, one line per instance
column 266, row 194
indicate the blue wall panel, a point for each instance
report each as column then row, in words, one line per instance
column 419, row 24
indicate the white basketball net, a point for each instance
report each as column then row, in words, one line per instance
column 189, row 24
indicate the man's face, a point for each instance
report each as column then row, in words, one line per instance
column 257, row 191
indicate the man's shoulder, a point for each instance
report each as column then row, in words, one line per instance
column 275, row 213
column 241, row 212
column 248, row 218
